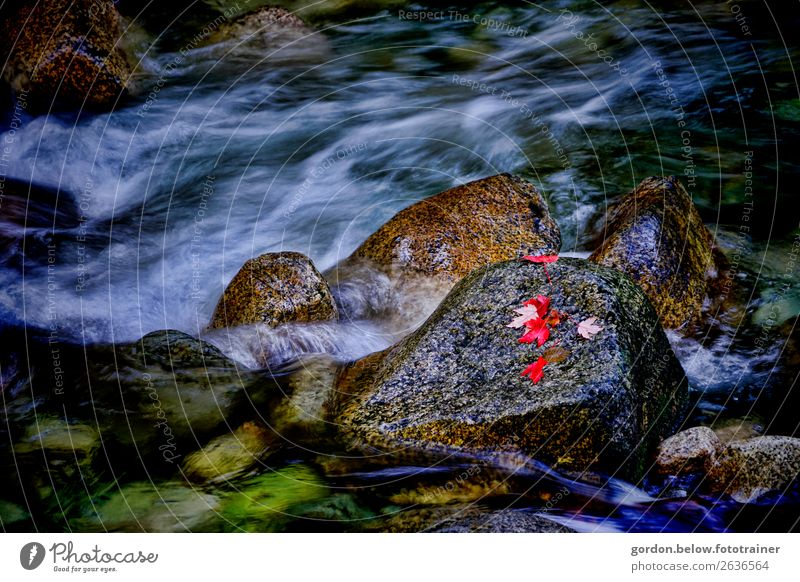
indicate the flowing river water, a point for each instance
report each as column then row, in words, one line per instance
column 308, row 144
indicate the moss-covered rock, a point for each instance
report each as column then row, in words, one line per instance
column 65, row 52
column 448, row 235
column 54, row 460
column 11, row 515
column 269, row 501
column 149, row 507
column 656, row 237
column 456, row 382
column 230, row 455
column 747, row 470
column 275, row 288
column 688, row 451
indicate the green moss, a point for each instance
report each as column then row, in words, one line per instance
column 269, row 501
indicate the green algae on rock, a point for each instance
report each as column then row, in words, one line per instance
column 149, row 507
column 275, row 288
column 656, row 236
column 456, row 381
column 456, row 231
column 267, row 502
column 66, row 52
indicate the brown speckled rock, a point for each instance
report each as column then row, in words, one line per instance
column 265, row 21
column 747, row 470
column 448, row 235
column 688, row 451
column 230, row 455
column 275, row 288
column 65, row 51
column 456, row 382
column 656, row 237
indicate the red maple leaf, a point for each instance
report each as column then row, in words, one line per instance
column 541, row 258
column 536, row 370
column 537, row 331
column 541, row 303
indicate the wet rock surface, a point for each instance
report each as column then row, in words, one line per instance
column 456, row 231
column 656, row 236
column 65, row 52
column 275, row 288
column 230, row 455
column 468, row 519
column 456, row 382
column 747, row 470
column 688, row 451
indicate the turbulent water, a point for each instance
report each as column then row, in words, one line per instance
column 308, row 143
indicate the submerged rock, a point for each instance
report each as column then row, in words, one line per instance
column 53, row 461
column 65, row 51
column 656, row 236
column 230, row 455
column 151, row 508
column 267, row 502
column 303, row 412
column 275, row 288
column 456, row 382
column 169, row 392
column 748, row 470
column 449, row 235
column 467, row 519
column 688, row 451
column 11, row 514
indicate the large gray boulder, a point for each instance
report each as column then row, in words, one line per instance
column 603, row 403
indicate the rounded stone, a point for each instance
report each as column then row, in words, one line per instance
column 230, row 455
column 456, row 231
column 65, row 52
column 275, row 288
column 456, row 382
column 688, row 451
column 747, row 470
column 656, row 237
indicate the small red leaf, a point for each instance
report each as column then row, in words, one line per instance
column 541, row 258
column 541, row 303
column 536, row 370
column 537, row 331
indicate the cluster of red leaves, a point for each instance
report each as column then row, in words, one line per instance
column 538, row 319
